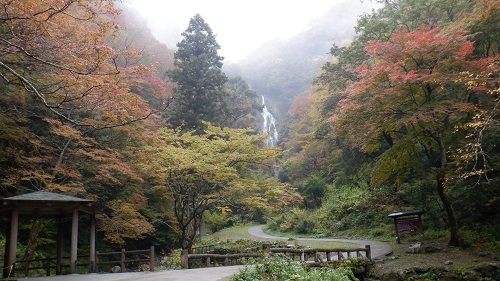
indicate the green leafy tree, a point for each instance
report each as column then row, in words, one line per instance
column 199, row 93
column 221, row 167
column 313, row 189
column 482, row 23
column 243, row 104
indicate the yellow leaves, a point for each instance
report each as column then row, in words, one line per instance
column 223, row 165
column 127, row 222
column 225, row 210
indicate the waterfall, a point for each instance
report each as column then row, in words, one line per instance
column 269, row 125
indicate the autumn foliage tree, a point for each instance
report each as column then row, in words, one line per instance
column 220, row 168
column 70, row 83
column 407, row 104
column 55, row 53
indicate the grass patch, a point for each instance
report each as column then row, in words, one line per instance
column 233, row 233
column 383, row 233
column 241, row 232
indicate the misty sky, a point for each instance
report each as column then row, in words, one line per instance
column 241, row 26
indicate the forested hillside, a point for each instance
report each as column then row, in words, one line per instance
column 406, row 117
column 94, row 106
column 81, row 98
column 402, row 115
column 285, row 68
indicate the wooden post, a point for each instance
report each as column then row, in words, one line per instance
column 266, row 248
column 122, row 260
column 5, row 271
column 398, row 239
column 92, row 244
column 368, row 252
column 96, row 261
column 328, row 256
column 152, row 258
column 74, row 242
column 11, row 245
column 60, row 238
column 185, row 259
column 47, row 266
column 208, row 262
column 421, row 226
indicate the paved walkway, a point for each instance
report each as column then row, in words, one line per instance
column 378, row 248
column 197, row 274
column 202, row 274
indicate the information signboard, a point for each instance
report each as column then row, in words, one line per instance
column 407, row 222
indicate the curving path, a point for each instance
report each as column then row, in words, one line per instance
column 197, row 274
column 203, row 274
column 378, row 248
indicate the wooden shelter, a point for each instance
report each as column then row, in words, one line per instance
column 44, row 204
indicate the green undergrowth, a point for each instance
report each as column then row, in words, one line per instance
column 381, row 233
column 278, row 267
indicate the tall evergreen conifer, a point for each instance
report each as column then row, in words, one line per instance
column 199, row 92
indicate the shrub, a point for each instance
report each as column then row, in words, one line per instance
column 278, row 267
column 216, row 220
column 231, row 246
column 305, row 226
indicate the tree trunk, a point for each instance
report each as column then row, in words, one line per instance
column 31, row 244
column 455, row 236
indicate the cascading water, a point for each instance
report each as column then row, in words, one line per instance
column 269, row 125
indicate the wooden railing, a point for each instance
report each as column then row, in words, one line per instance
column 149, row 254
column 329, row 254
column 305, row 255
column 111, row 259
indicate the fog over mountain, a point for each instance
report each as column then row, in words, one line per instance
column 282, row 69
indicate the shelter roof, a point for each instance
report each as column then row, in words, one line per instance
column 406, row 213
column 49, row 204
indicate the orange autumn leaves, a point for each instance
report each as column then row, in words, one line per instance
column 414, row 79
column 65, row 71
column 57, row 52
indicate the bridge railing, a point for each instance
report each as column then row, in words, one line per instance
column 318, row 255
column 119, row 259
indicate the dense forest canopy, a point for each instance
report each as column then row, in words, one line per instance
column 405, row 116
column 411, row 104
column 94, row 106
